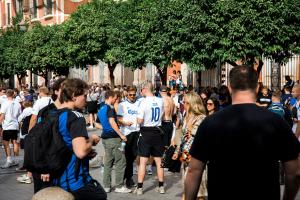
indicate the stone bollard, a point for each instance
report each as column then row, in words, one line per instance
column 53, row 193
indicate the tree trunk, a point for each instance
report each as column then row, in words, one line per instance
column 275, row 76
column 260, row 65
column 112, row 68
column 163, row 75
column 19, row 77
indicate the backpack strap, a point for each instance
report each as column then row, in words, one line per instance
column 78, row 164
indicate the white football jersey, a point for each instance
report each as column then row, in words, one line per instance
column 151, row 109
column 129, row 112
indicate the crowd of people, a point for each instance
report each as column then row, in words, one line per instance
column 218, row 134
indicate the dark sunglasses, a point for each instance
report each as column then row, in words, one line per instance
column 132, row 95
column 209, row 104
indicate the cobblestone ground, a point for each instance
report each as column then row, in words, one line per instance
column 10, row 189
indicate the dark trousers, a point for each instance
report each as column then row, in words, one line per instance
column 38, row 184
column 167, row 127
column 91, row 191
column 130, row 154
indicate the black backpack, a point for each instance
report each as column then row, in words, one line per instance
column 45, row 149
column 25, row 125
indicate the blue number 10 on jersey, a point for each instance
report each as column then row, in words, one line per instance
column 155, row 114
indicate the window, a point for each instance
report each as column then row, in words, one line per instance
column 48, row 7
column 8, row 20
column 19, row 6
column 33, row 9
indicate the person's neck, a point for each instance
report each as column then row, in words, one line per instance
column 57, row 104
column 149, row 95
column 68, row 104
column 108, row 102
column 10, row 98
column 243, row 97
column 210, row 112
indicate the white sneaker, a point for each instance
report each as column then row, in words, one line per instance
column 138, row 191
column 122, row 189
column 9, row 164
column 91, row 127
column 24, row 179
column 107, row 190
column 160, row 190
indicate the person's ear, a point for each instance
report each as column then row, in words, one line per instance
column 229, row 88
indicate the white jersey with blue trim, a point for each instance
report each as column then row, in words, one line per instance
column 128, row 111
column 151, row 110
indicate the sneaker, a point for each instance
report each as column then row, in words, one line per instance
column 149, row 170
column 24, row 179
column 107, row 190
column 122, row 189
column 138, row 191
column 160, row 190
column 90, row 127
column 9, row 164
column 21, row 169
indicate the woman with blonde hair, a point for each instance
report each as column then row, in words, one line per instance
column 195, row 114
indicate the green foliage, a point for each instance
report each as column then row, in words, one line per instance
column 136, row 32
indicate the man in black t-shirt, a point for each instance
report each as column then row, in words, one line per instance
column 241, row 146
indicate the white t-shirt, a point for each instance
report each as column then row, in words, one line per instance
column 129, row 112
column 18, row 99
column 3, row 98
column 26, row 112
column 11, row 111
column 40, row 104
column 151, row 109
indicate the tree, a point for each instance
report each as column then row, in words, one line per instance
column 12, row 55
column 248, row 30
column 45, row 49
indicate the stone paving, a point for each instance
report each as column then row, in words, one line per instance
column 10, row 189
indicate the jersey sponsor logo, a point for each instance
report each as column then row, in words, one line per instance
column 132, row 112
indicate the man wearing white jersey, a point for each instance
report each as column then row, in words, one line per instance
column 43, row 101
column 10, row 112
column 127, row 117
column 150, row 142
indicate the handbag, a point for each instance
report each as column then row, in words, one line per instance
column 168, row 162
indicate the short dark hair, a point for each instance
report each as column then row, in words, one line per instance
column 131, row 88
column 109, row 93
column 56, row 86
column 243, row 77
column 9, row 93
column 72, row 88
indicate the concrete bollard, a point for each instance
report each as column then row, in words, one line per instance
column 53, row 193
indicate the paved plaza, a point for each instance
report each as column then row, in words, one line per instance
column 10, row 189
